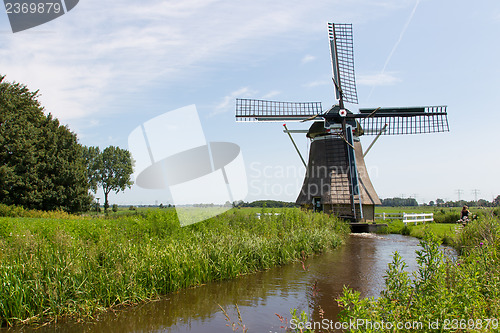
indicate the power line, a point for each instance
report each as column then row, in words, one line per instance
column 459, row 193
column 475, row 192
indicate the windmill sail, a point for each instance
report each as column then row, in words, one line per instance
column 406, row 120
column 341, row 52
column 260, row 110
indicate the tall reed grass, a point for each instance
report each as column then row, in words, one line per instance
column 53, row 268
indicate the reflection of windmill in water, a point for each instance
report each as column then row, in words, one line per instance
column 336, row 180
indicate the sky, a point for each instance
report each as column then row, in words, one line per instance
column 105, row 68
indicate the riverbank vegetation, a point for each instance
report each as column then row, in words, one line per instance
column 56, row 267
column 445, row 226
column 443, row 294
column 445, row 232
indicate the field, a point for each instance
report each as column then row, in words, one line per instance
column 445, row 225
column 60, row 265
column 420, row 209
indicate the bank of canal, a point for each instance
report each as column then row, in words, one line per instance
column 359, row 264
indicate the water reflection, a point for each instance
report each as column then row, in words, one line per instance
column 360, row 264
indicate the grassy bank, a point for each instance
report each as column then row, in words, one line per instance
column 52, row 268
column 445, row 232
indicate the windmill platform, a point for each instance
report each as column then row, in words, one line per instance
column 358, row 227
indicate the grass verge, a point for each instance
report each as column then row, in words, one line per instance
column 445, row 232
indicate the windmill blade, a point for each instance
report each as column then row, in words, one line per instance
column 260, row 110
column 406, row 120
column 342, row 54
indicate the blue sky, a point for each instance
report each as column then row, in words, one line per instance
column 107, row 67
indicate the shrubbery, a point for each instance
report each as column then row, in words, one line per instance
column 18, row 211
column 446, row 216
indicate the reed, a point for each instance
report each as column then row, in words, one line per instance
column 52, row 268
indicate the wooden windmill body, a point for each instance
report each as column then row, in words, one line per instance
column 326, row 185
column 336, row 179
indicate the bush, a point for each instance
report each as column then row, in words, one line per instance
column 486, row 230
column 18, row 211
column 405, row 230
column 446, row 217
column 114, row 208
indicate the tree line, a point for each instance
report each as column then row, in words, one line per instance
column 399, row 202
column 460, row 203
column 42, row 164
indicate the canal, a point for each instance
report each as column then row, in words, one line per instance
column 308, row 285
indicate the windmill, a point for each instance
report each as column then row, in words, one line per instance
column 336, row 179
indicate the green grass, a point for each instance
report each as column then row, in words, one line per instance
column 52, row 267
column 446, row 232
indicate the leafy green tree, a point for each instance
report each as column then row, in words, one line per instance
column 110, row 169
column 496, row 201
column 483, row 203
column 399, row 202
column 41, row 161
column 92, row 156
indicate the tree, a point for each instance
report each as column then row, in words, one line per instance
column 483, row 203
column 439, row 202
column 92, row 156
column 41, row 161
column 110, row 169
column 496, row 201
column 399, row 202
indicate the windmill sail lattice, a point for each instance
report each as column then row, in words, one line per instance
column 342, row 54
column 260, row 110
column 416, row 120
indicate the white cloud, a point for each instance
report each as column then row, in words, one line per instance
column 314, row 84
column 380, row 79
column 271, row 94
column 100, row 51
column 308, row 58
column 227, row 103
